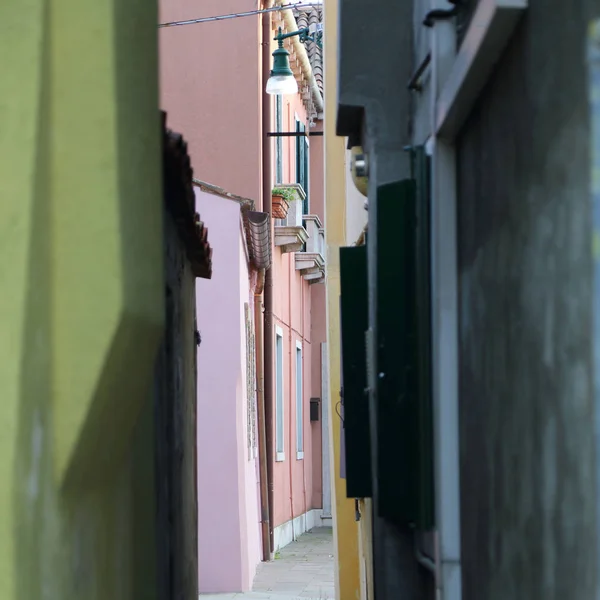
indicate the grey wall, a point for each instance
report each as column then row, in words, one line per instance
column 175, row 410
column 376, row 58
column 526, row 403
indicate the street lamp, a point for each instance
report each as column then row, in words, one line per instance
column 282, row 80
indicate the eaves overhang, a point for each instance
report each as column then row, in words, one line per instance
column 256, row 224
column 180, row 202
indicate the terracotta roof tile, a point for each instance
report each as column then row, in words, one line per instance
column 180, row 201
column 305, row 17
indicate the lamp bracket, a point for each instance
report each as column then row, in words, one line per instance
column 305, row 34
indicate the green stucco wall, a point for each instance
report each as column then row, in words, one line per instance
column 81, row 306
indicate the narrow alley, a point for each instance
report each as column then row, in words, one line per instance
column 301, row 570
column 269, row 266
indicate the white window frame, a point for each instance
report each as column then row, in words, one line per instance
column 279, row 397
column 298, row 359
column 279, row 139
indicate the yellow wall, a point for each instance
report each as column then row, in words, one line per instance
column 81, row 307
column 345, row 526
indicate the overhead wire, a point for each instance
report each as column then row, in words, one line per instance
column 240, row 14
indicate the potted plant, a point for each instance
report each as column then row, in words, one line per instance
column 281, row 198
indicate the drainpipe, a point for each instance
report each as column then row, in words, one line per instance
column 268, row 293
column 445, row 330
column 257, row 226
column 292, row 396
column 262, row 425
column 302, row 326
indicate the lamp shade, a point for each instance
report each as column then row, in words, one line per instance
column 282, row 80
column 282, row 85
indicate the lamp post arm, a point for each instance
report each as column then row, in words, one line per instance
column 304, row 34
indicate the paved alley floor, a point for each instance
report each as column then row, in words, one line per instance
column 303, row 570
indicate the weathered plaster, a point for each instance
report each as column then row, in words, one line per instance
column 527, row 438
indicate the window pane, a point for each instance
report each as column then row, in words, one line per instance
column 279, row 394
column 299, row 147
column 278, row 140
column 299, row 411
column 302, row 163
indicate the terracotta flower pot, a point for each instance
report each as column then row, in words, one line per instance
column 280, row 207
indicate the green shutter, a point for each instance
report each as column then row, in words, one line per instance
column 403, row 407
column 354, row 323
column 422, row 175
column 306, row 174
column 302, row 163
column 299, row 154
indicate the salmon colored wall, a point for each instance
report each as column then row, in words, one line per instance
column 319, row 302
column 308, row 305
column 293, row 296
column 211, row 88
column 318, row 336
column 293, row 477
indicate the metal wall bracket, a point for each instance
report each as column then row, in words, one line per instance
column 440, row 14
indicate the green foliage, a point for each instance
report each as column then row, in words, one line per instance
column 287, row 194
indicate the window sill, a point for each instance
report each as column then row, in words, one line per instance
column 280, row 457
column 311, row 266
column 290, row 238
column 299, row 455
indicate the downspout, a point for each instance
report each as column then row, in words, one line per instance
column 262, row 425
column 302, row 327
column 293, row 400
column 445, row 329
column 257, row 226
column 268, row 293
column 302, row 56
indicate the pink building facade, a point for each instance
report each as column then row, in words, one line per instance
column 228, row 509
column 212, row 89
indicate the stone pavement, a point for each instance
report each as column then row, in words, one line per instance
column 303, row 570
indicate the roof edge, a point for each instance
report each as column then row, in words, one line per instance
column 215, row 190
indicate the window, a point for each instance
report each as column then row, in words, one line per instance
column 299, row 404
column 302, row 161
column 278, row 140
column 279, row 447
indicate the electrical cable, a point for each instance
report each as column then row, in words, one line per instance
column 242, row 14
